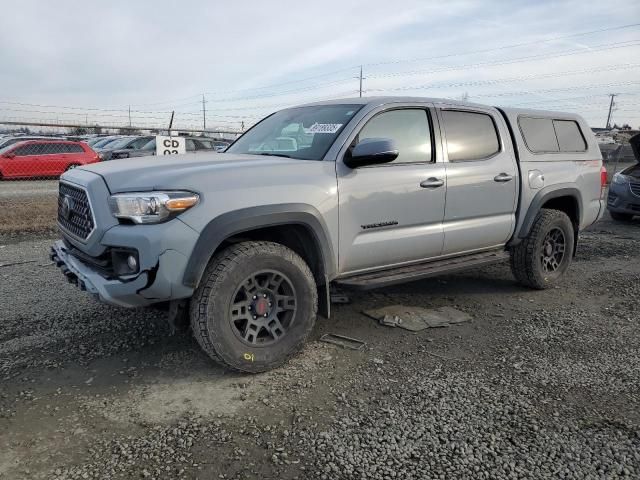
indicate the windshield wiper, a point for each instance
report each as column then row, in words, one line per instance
column 274, row 155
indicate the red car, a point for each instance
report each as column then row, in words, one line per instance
column 43, row 158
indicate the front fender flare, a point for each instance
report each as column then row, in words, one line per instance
column 246, row 219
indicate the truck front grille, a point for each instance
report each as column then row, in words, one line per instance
column 74, row 211
column 635, row 188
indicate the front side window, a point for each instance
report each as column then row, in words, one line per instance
column 470, row 135
column 408, row 128
column 304, row 133
column 23, row 150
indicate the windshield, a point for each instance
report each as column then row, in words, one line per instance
column 6, row 148
column 118, row 143
column 104, row 142
column 305, row 133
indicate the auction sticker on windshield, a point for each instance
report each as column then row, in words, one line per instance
column 323, row 128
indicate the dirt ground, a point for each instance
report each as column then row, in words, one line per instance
column 540, row 384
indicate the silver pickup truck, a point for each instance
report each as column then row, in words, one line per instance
column 357, row 194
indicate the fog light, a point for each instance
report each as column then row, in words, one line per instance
column 132, row 263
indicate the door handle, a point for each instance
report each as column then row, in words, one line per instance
column 432, row 182
column 503, row 177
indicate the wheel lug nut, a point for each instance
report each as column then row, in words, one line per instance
column 269, row 303
column 265, row 315
column 264, row 295
column 255, row 317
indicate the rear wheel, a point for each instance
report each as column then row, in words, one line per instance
column 255, row 306
column 621, row 217
column 543, row 257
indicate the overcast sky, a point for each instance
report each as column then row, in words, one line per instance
column 252, row 57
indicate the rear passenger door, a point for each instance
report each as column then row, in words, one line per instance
column 482, row 179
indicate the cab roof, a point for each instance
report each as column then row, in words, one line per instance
column 382, row 100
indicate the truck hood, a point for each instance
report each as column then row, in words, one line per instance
column 191, row 171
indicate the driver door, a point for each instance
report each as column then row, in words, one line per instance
column 391, row 214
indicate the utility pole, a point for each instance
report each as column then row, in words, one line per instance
column 129, row 116
column 204, row 113
column 611, row 104
column 360, row 78
column 171, row 122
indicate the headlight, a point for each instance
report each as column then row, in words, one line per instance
column 151, row 207
column 620, row 179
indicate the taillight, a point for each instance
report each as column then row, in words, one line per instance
column 603, row 180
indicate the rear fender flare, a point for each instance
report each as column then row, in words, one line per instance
column 542, row 197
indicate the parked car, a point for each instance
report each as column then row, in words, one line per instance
column 94, row 140
column 247, row 243
column 122, row 147
column 5, row 142
column 192, row 144
column 200, row 144
column 623, row 200
column 104, row 141
column 220, row 146
column 43, row 158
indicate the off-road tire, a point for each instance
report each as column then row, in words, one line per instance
column 620, row 217
column 526, row 257
column 210, row 305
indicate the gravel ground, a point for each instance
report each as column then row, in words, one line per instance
column 541, row 384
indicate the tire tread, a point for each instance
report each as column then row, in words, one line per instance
column 523, row 254
column 222, row 264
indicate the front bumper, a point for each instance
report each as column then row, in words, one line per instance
column 621, row 200
column 114, row 292
column 163, row 252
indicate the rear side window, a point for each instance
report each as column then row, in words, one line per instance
column 409, row 129
column 74, row 148
column 539, row 134
column 546, row 135
column 470, row 135
column 570, row 138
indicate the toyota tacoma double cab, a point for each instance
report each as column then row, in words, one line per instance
column 357, row 194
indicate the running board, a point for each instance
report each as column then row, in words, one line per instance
column 384, row 278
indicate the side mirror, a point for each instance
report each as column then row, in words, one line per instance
column 371, row 151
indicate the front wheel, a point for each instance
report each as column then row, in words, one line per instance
column 255, row 306
column 543, row 257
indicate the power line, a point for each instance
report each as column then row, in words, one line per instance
column 504, row 47
column 473, row 83
column 595, row 48
column 550, row 90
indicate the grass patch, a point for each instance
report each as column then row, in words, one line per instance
column 35, row 214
